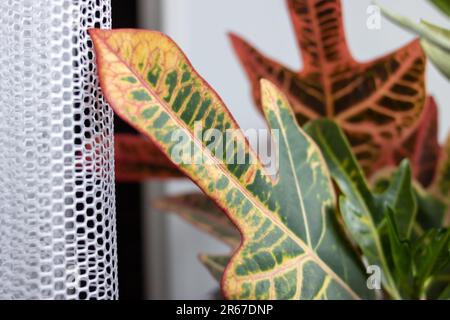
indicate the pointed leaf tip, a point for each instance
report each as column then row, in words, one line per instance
column 269, row 93
column 281, row 248
column 369, row 114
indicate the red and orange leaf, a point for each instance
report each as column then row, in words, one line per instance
column 420, row 145
column 375, row 102
column 138, row 159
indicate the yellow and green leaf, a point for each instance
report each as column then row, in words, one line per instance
column 291, row 247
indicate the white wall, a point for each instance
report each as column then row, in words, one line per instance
column 200, row 27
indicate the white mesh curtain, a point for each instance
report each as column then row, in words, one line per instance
column 57, row 206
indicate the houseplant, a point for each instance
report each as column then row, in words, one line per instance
column 299, row 237
column 295, row 242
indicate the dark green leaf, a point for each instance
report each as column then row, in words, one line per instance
column 289, row 248
column 362, row 212
column 200, row 211
column 431, row 210
column 401, row 256
column 435, row 40
column 400, row 197
column 422, row 30
column 431, row 254
column 441, row 186
column 445, row 295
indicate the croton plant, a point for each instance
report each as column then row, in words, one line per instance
column 362, row 179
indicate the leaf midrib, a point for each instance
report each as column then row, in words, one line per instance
column 309, row 248
column 234, row 180
column 294, row 173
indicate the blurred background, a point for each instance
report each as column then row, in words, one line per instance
column 157, row 251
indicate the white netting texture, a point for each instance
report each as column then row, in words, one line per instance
column 57, row 206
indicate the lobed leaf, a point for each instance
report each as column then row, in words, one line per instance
column 431, row 210
column 290, row 247
column 138, row 159
column 376, row 103
column 203, row 213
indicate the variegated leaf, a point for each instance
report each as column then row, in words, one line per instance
column 375, row 102
column 138, row 159
column 420, row 144
column 203, row 213
column 290, row 247
column 401, row 256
